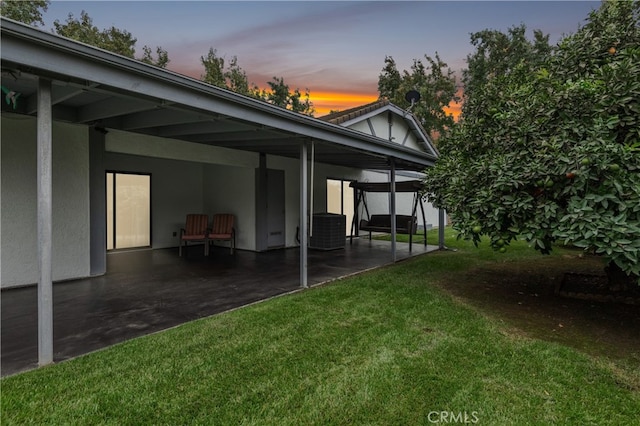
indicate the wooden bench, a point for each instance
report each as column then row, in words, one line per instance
column 382, row 223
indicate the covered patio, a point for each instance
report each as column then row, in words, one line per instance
column 83, row 112
column 146, row 291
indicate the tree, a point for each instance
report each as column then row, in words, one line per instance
column 436, row 84
column 548, row 146
column 497, row 57
column 234, row 78
column 111, row 39
column 162, row 56
column 237, row 78
column 214, row 73
column 498, row 54
column 27, row 12
column 301, row 102
column 280, row 95
column 389, row 80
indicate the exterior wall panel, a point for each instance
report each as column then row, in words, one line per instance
column 18, row 243
column 292, row 189
column 229, row 189
column 176, row 190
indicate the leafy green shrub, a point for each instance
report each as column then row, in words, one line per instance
column 548, row 145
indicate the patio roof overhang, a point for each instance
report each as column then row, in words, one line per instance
column 62, row 80
column 96, row 87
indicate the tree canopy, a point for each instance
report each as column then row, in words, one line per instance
column 436, row 84
column 231, row 76
column 28, row 12
column 112, row 39
column 548, row 144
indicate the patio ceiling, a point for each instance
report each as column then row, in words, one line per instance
column 94, row 87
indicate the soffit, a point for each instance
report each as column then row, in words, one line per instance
column 97, row 88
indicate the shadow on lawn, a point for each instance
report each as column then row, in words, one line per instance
column 522, row 294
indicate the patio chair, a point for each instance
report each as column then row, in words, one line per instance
column 223, row 229
column 195, row 229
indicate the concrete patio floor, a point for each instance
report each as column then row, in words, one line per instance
column 146, row 291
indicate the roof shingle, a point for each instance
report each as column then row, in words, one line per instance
column 349, row 114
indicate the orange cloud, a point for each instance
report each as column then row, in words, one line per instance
column 325, row 102
column 455, row 108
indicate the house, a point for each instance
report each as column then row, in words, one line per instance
column 86, row 132
column 388, row 121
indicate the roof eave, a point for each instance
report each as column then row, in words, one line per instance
column 57, row 56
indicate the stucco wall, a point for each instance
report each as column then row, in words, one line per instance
column 151, row 146
column 70, row 180
column 187, row 178
column 176, row 190
column 229, row 189
column 291, row 169
column 398, row 131
column 292, row 188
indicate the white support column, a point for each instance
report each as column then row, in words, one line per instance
column 392, row 203
column 441, row 226
column 312, row 183
column 303, row 215
column 45, row 283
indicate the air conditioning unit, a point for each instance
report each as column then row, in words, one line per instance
column 328, row 231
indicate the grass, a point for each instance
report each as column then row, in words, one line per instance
column 432, row 237
column 384, row 347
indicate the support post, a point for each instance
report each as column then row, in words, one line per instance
column 441, row 226
column 262, row 226
column 392, row 203
column 312, row 183
column 354, row 220
column 44, row 176
column 424, row 219
column 303, row 216
column 414, row 209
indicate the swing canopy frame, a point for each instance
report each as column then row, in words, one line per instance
column 362, row 188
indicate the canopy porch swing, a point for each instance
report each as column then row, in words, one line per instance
column 383, row 222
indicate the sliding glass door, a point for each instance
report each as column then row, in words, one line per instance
column 340, row 200
column 128, row 210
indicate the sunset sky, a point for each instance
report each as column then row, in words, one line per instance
column 336, row 49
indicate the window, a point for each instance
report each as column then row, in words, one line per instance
column 340, row 200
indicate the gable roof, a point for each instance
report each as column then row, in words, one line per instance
column 91, row 85
column 360, row 113
column 341, row 117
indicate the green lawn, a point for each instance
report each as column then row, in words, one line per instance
column 387, row 347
